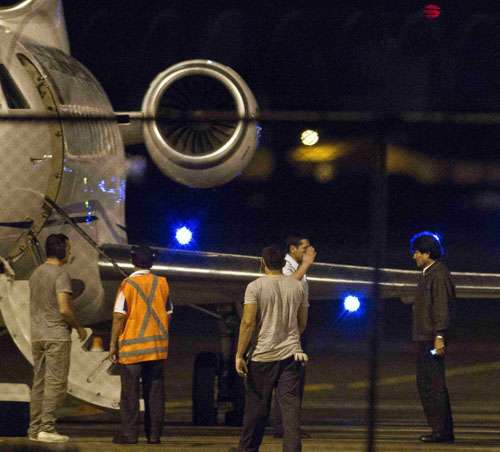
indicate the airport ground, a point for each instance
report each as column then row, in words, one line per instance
column 335, row 408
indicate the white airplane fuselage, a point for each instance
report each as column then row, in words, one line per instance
column 79, row 163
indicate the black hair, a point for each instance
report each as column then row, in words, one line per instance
column 273, row 257
column 293, row 240
column 142, row 256
column 427, row 242
column 55, row 246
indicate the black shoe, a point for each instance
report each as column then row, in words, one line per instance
column 154, row 441
column 119, row 439
column 438, row 438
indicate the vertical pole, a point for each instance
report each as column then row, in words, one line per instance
column 378, row 247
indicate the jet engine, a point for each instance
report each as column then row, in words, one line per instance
column 195, row 151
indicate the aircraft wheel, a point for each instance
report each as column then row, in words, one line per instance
column 205, row 389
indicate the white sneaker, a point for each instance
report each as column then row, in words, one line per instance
column 52, row 437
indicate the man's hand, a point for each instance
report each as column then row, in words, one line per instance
column 7, row 268
column 309, row 255
column 301, row 358
column 439, row 345
column 82, row 333
column 241, row 367
column 113, row 353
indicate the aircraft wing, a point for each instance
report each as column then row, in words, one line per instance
column 202, row 277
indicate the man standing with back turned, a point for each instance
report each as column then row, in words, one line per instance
column 52, row 318
column 432, row 313
column 139, row 341
column 275, row 311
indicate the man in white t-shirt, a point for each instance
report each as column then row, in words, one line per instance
column 299, row 258
column 274, row 316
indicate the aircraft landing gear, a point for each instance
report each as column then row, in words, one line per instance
column 215, row 381
column 206, row 375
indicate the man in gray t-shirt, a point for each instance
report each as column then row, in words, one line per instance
column 299, row 258
column 274, row 315
column 278, row 299
column 52, row 318
column 47, row 323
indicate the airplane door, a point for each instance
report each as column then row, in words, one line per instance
column 31, row 153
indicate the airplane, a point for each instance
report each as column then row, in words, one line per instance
column 67, row 174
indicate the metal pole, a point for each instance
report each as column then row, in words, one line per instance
column 378, row 247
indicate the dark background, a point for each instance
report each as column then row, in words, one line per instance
column 298, row 55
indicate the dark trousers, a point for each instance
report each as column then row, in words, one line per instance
column 262, row 379
column 151, row 374
column 431, row 384
column 277, row 420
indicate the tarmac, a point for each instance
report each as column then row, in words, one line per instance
column 93, row 437
column 335, row 407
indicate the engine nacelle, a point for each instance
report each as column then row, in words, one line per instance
column 200, row 154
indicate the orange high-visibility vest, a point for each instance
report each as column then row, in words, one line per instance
column 145, row 335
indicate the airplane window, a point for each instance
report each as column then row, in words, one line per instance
column 13, row 96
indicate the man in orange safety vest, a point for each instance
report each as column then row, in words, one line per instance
column 139, row 343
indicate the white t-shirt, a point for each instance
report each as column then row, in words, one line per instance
column 278, row 299
column 290, row 267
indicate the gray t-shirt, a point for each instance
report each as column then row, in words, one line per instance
column 47, row 324
column 278, row 299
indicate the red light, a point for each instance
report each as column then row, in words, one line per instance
column 431, row 11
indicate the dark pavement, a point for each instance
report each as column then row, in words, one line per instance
column 335, row 409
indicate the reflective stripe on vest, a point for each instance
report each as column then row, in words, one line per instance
column 134, row 345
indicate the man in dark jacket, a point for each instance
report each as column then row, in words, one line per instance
column 432, row 312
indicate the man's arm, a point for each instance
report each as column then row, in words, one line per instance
column 117, row 329
column 302, row 316
column 442, row 291
column 67, row 313
column 247, row 328
column 307, row 260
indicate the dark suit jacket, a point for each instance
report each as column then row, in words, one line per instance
column 434, row 303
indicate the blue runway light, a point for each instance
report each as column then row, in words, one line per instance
column 183, row 235
column 351, row 303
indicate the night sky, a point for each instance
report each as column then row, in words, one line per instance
column 315, row 56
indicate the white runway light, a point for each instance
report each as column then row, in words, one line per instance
column 351, row 303
column 183, row 236
column 309, row 137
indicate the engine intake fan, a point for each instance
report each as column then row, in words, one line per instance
column 196, row 153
